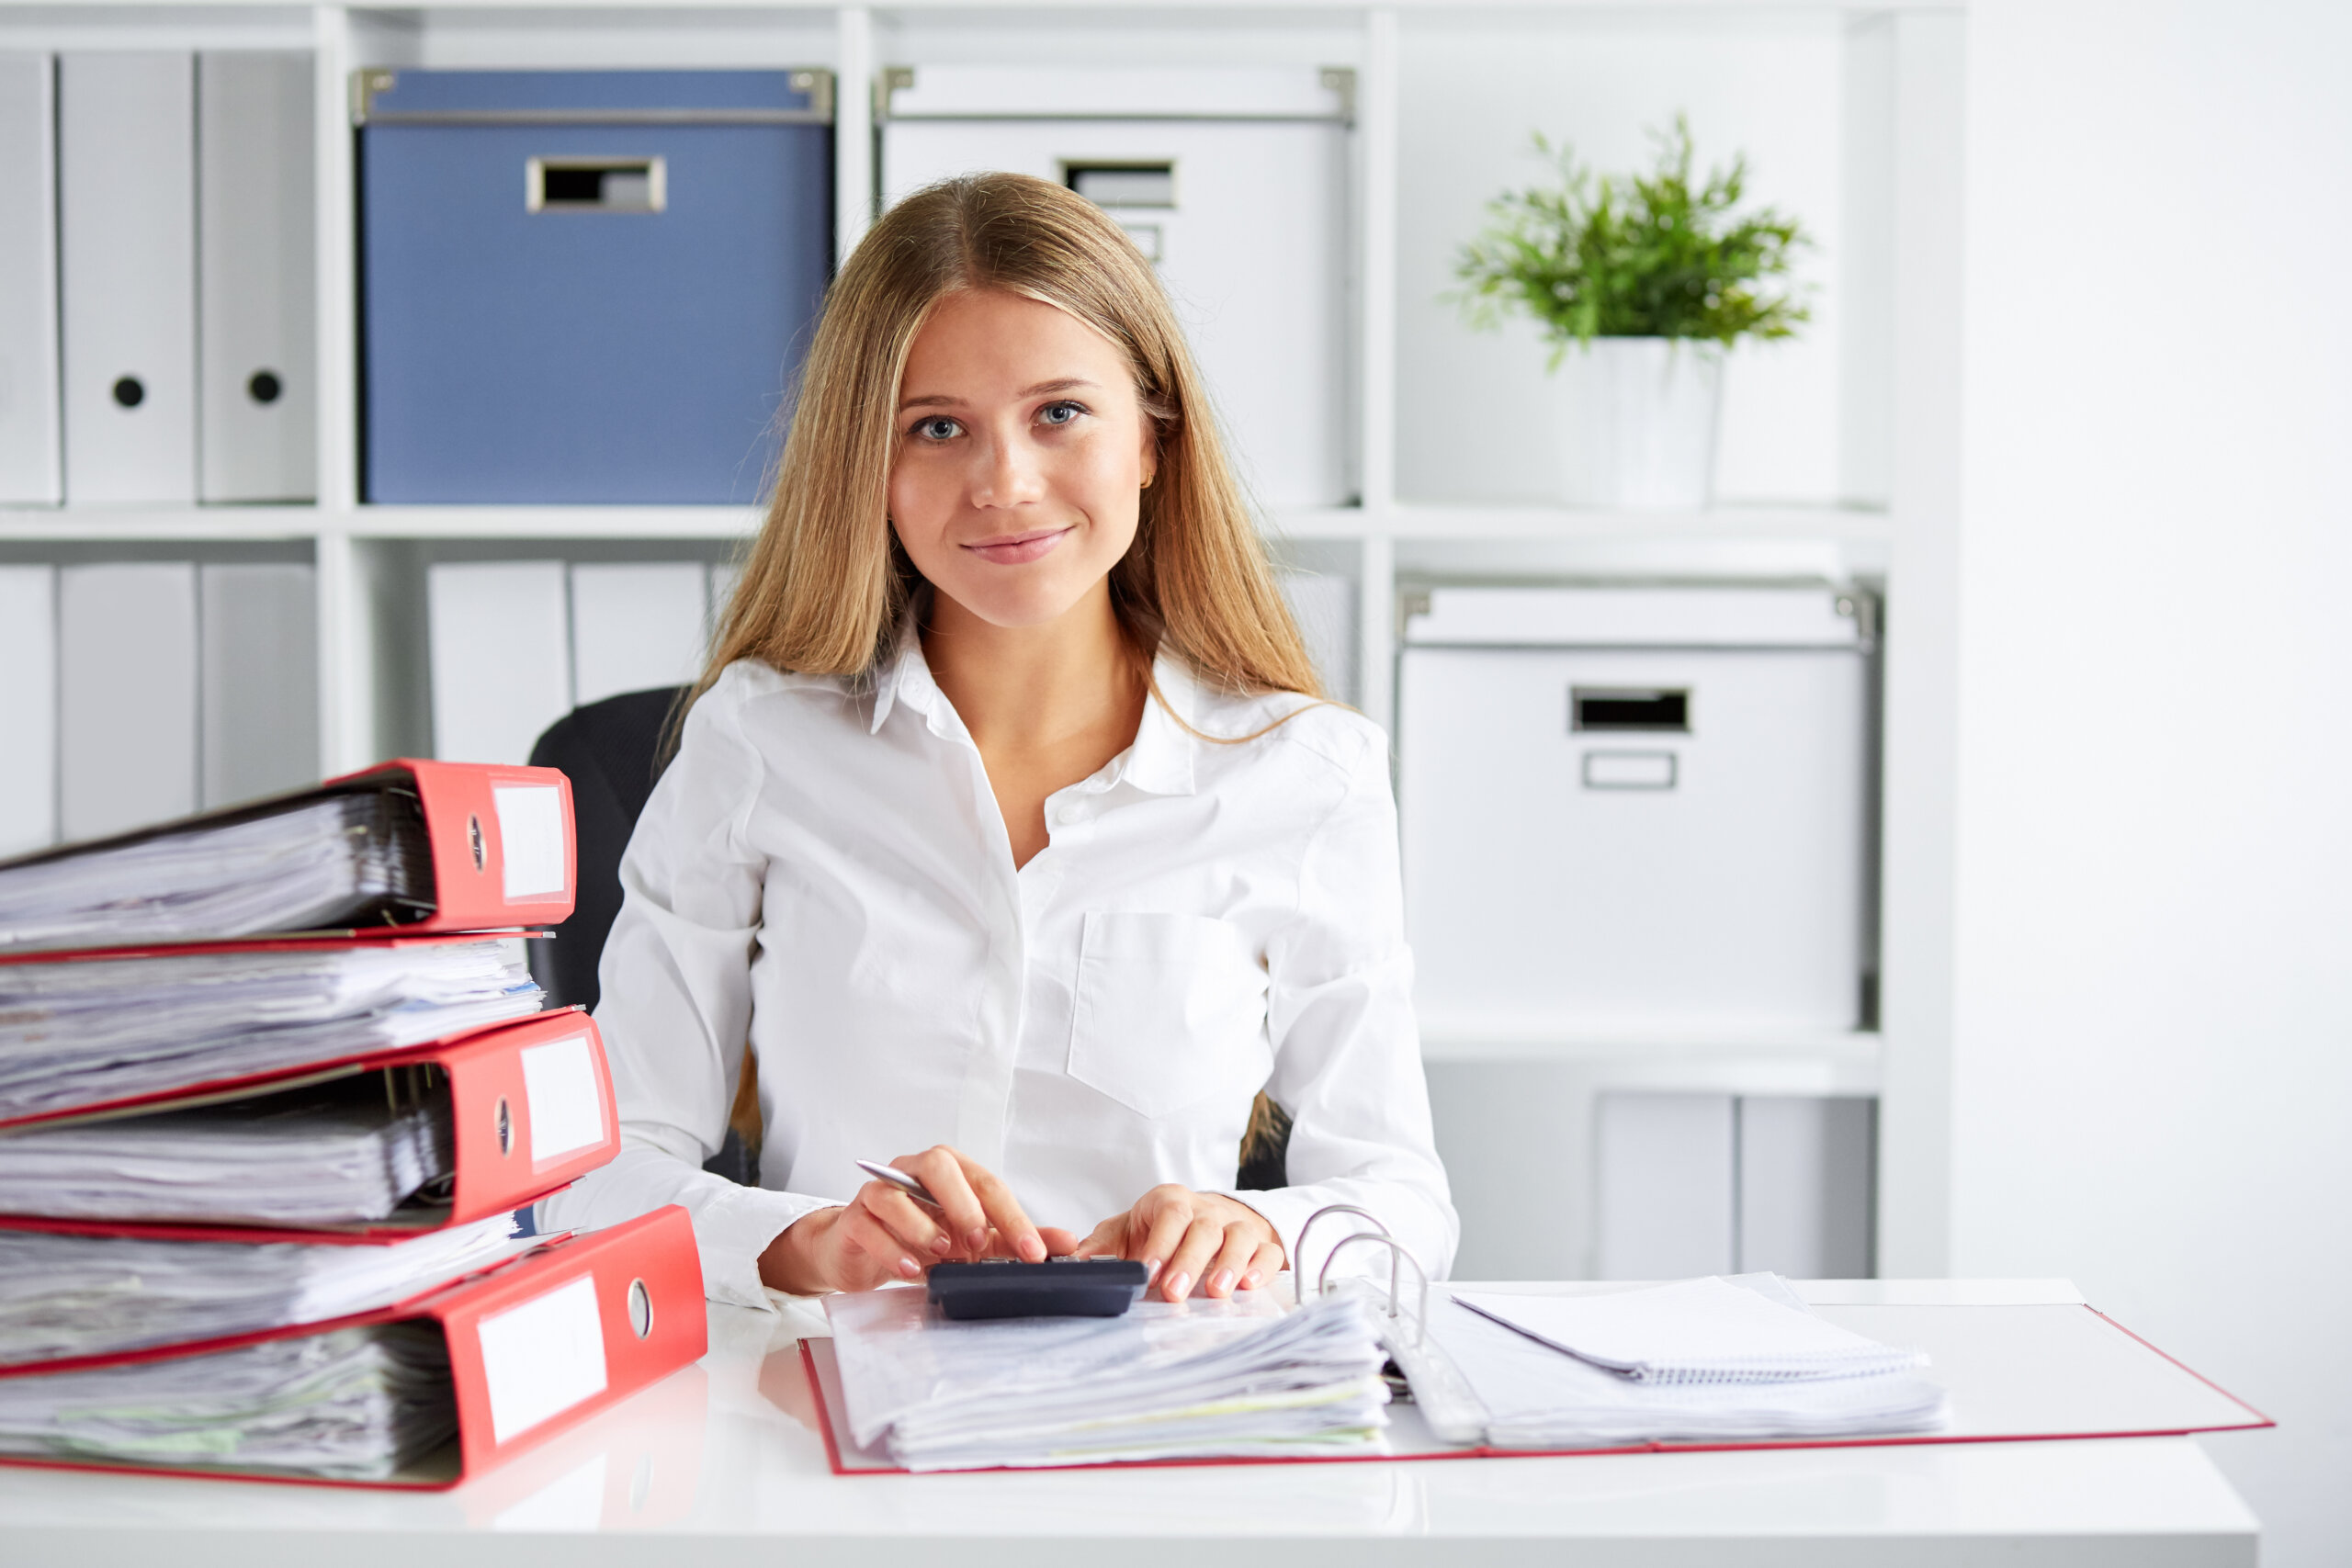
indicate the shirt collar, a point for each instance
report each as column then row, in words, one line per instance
column 1161, row 761
column 903, row 673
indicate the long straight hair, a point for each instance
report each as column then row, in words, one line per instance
column 825, row 582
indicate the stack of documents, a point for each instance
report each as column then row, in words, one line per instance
column 333, row 1155
column 209, row 1138
column 1702, row 1360
column 66, row 1296
column 85, row 1032
column 1182, row 1380
column 354, row 1405
column 303, row 864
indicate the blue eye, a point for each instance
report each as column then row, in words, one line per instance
column 1060, row 413
column 939, row 427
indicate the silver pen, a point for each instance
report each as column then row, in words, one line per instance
column 901, row 1180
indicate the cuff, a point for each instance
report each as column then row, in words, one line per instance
column 733, row 1228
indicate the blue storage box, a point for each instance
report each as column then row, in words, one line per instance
column 586, row 286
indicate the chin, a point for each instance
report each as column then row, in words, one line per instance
column 1011, row 605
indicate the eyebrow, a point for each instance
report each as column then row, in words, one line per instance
column 1065, row 384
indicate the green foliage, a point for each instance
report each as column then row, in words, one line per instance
column 1648, row 255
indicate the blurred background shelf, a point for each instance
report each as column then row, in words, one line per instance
column 1837, row 463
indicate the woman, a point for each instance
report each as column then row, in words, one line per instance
column 1006, row 825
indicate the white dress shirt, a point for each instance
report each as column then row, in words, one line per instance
column 824, row 871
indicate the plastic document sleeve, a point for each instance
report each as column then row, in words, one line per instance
column 530, row 1103
column 535, row 1347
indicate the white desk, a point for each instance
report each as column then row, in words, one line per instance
column 720, row 1465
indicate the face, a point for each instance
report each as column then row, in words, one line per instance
column 1022, row 457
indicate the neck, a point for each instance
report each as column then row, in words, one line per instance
column 1028, row 688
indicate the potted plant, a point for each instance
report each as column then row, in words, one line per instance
column 1649, row 280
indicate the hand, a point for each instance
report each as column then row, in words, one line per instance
column 884, row 1233
column 1181, row 1236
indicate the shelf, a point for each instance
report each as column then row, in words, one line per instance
column 549, row 523
column 130, row 524
column 1435, row 524
column 1824, row 1062
column 1413, row 521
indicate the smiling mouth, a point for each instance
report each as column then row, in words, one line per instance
column 1012, row 549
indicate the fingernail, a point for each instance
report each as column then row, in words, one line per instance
column 941, row 1244
column 1222, row 1282
column 1151, row 1270
column 977, row 1238
column 910, row 1267
column 1177, row 1285
column 1033, row 1249
column 1250, row 1280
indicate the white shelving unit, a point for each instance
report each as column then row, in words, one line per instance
column 1874, row 411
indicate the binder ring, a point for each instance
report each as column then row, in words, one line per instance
column 1397, row 1250
column 1298, row 1262
column 640, row 1308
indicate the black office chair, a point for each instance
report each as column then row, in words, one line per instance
column 611, row 752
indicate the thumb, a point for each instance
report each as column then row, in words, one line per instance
column 1104, row 1241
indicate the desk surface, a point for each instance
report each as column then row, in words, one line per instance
column 727, row 1453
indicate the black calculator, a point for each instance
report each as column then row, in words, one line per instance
column 1059, row 1287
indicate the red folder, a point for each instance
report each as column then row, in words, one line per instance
column 503, row 840
column 535, row 1347
column 531, row 1103
column 471, row 810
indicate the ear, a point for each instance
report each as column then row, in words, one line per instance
column 1150, row 455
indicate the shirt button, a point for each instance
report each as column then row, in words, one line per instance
column 1069, row 813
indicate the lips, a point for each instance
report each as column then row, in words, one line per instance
column 1013, row 549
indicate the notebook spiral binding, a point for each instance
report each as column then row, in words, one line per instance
column 1450, row 1406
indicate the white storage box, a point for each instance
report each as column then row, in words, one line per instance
column 1232, row 180
column 1637, row 809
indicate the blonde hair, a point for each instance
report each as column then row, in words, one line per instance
column 825, row 582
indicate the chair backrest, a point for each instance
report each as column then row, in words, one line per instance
column 612, row 752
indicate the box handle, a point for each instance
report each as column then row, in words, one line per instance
column 596, row 185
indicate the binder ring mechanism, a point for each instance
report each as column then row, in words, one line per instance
column 1397, row 1251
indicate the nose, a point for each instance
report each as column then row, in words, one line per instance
column 1007, row 474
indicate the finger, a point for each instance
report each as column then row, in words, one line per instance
column 1108, row 1239
column 1224, row 1270
column 1165, row 1212
column 870, row 1250
column 904, row 1218
column 1004, row 1211
column 940, row 1170
column 1059, row 1243
column 1202, row 1238
column 1264, row 1264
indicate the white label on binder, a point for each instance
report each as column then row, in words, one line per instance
column 542, row 1357
column 567, row 1112
column 531, row 829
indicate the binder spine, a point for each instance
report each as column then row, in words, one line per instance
column 547, row 1344
column 534, row 1109
column 504, row 845
column 31, row 435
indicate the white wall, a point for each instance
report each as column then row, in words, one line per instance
column 1476, row 410
column 2154, row 1049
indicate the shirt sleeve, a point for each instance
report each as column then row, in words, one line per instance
column 1347, row 1049
column 676, row 1009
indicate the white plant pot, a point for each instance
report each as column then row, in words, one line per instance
column 1637, row 422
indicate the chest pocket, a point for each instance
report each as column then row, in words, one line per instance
column 1170, row 1009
